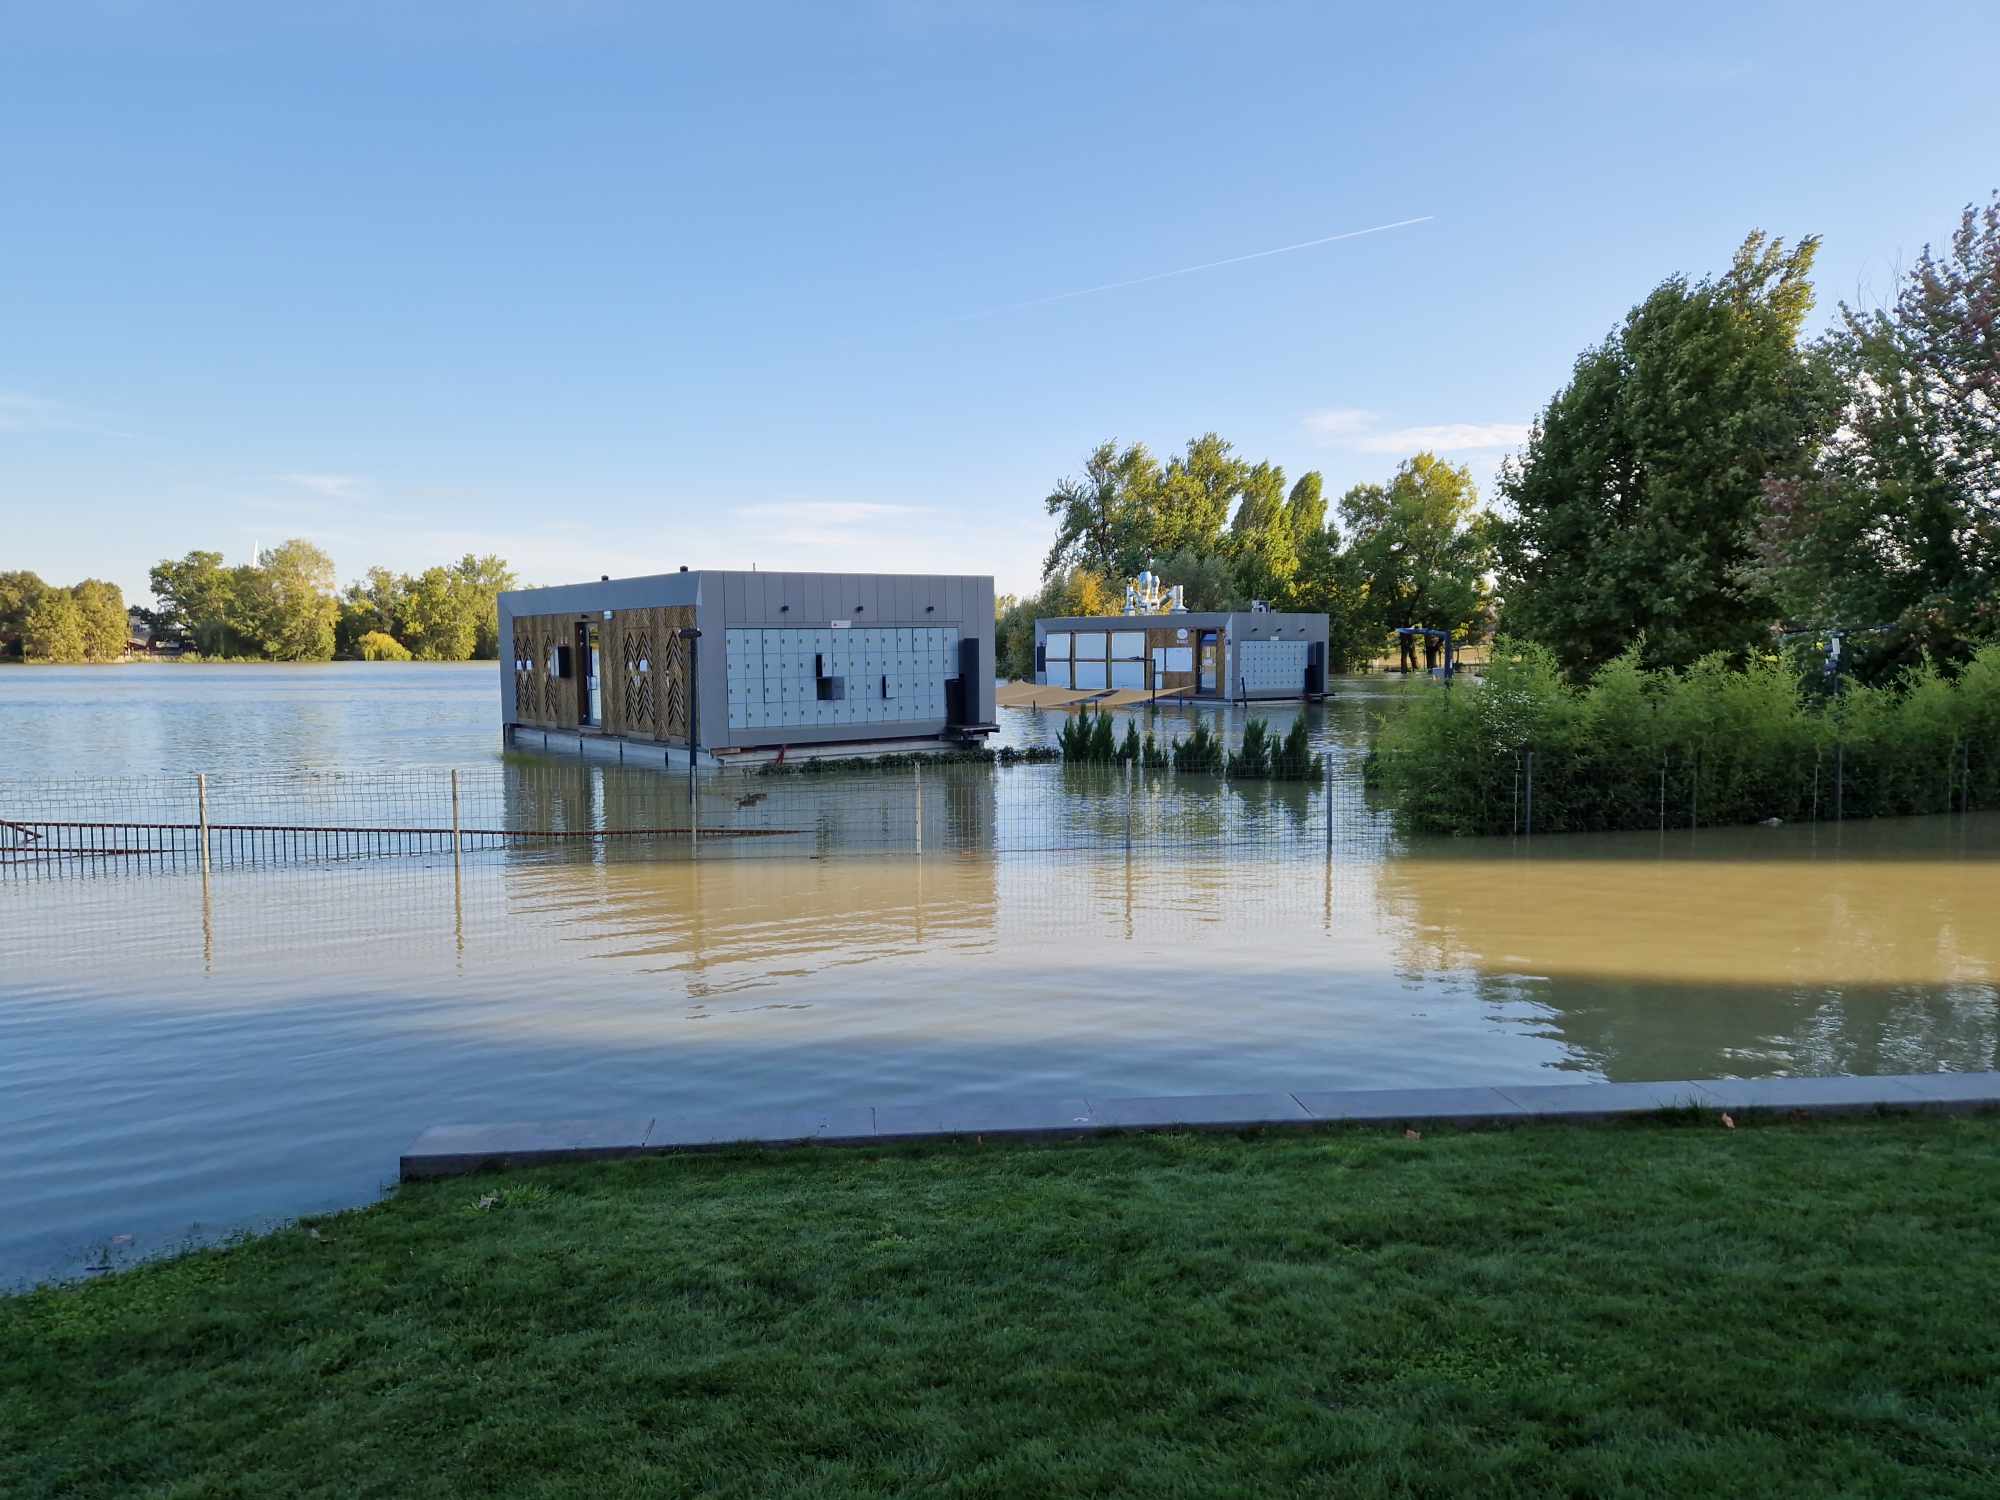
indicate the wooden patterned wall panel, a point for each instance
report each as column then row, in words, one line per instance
column 633, row 669
column 527, row 675
column 559, row 694
column 648, row 703
column 676, row 685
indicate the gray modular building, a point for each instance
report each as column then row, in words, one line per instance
column 855, row 662
column 1214, row 654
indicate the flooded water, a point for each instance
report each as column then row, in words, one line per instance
column 180, row 1057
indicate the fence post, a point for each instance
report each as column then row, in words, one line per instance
column 1839, row 781
column 454, row 813
column 201, row 807
column 1530, row 819
column 1329, row 809
column 1663, row 794
column 920, row 807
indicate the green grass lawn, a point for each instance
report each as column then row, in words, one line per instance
column 1660, row 1309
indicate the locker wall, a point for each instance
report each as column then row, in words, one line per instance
column 1271, row 667
column 889, row 674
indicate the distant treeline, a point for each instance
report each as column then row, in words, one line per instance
column 287, row 606
column 1415, row 550
column 1709, row 481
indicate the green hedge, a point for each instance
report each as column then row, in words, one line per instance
column 1713, row 745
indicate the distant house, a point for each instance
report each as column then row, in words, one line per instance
column 141, row 639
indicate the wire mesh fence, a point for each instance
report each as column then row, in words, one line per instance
column 607, row 811
column 1600, row 789
column 1354, row 811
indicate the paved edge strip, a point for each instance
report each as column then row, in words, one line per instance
column 452, row 1150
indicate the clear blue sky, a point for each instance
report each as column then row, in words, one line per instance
column 612, row 287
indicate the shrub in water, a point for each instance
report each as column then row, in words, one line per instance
column 1253, row 761
column 1293, row 760
column 1200, row 752
column 1716, row 744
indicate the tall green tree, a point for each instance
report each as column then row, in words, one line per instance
column 19, row 589
column 1207, row 580
column 1188, row 506
column 53, row 629
column 1634, row 503
column 1330, row 581
column 1422, row 549
column 1271, row 527
column 377, row 603
column 101, row 616
column 1894, row 525
column 444, row 613
column 1100, row 514
column 286, row 604
column 487, row 577
column 196, row 596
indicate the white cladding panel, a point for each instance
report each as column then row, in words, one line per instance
column 1271, row 666
column 1128, row 645
column 1057, row 644
column 1090, row 643
column 1128, row 674
column 1058, row 674
column 875, row 675
column 1089, row 674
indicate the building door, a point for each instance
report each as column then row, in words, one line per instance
column 590, row 696
column 1207, row 661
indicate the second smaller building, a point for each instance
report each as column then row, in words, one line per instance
column 1235, row 655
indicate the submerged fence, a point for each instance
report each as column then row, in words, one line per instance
column 551, row 811
column 557, row 810
column 1600, row 789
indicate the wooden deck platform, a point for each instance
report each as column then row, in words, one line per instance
column 1034, row 695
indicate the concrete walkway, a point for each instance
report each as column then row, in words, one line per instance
column 448, row 1150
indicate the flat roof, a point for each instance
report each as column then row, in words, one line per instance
column 1192, row 616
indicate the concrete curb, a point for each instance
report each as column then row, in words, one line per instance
column 451, row 1150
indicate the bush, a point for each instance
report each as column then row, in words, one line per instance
column 1294, row 760
column 1200, row 752
column 1636, row 748
column 1253, row 760
column 1087, row 740
column 379, row 646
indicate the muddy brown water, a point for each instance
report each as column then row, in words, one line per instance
column 180, row 1058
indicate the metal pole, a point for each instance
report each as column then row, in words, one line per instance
column 920, row 807
column 693, row 638
column 1531, row 795
column 1663, row 794
column 1839, row 781
column 1329, row 810
column 1694, row 795
column 454, row 813
column 201, row 804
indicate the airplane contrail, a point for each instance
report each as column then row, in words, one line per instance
column 1234, row 260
